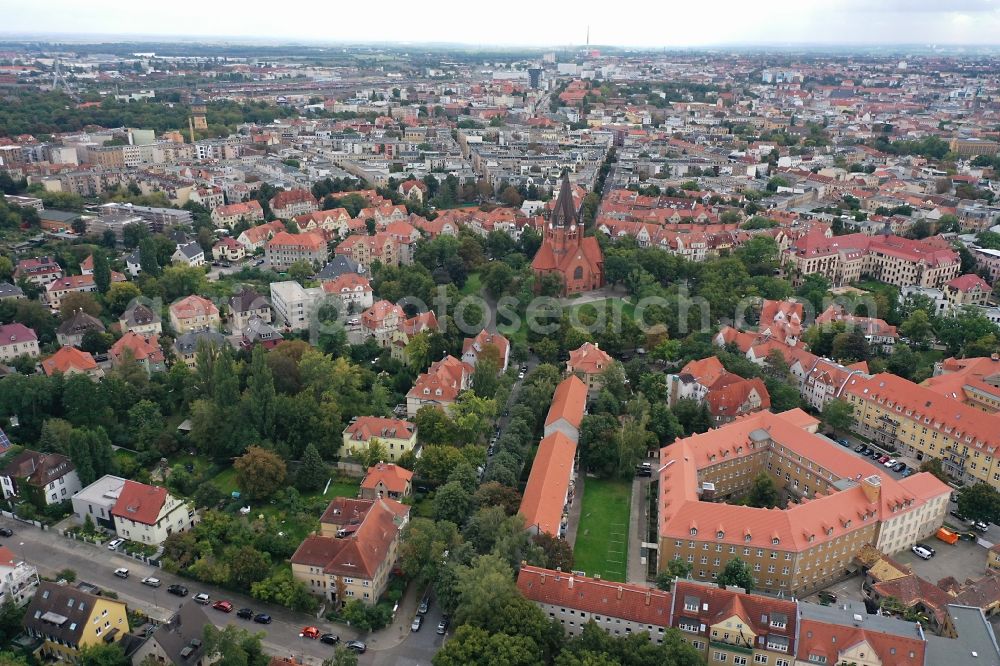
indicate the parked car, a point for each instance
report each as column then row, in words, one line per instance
column 899, row 467
column 329, row 639
column 418, row 621
column 827, row 598
column 6, row 531
column 929, row 549
column 979, row 525
column 425, row 605
column 520, row 375
column 443, row 626
column 262, row 618
column 245, row 614
column 356, row 646
column 202, row 598
column 114, row 543
column 891, row 462
column 121, row 572
column 922, row 553
column 224, row 606
column 874, row 455
column 179, row 590
column 882, row 459
column 843, row 442
column 152, row 582
column 909, row 471
column 860, row 448
column 309, row 632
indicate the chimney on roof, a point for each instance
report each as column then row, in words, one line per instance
column 570, row 583
column 620, row 590
column 872, row 487
column 648, row 596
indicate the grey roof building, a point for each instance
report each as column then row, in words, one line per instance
column 179, row 641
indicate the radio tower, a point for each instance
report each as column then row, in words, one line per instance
column 59, row 80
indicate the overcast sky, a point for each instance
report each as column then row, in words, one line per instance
column 655, row 23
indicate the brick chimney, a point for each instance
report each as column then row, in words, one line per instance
column 570, row 583
column 620, row 590
column 872, row 486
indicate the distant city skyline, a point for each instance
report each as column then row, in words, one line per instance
column 521, row 23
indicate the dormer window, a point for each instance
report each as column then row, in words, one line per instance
column 720, row 534
column 694, row 531
column 747, row 537
column 775, row 541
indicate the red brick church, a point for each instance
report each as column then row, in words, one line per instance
column 577, row 259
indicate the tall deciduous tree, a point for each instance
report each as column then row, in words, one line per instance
column 737, row 573
column 259, row 473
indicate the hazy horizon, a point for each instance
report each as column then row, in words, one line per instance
column 774, row 23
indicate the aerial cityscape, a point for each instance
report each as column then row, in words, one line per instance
column 562, row 339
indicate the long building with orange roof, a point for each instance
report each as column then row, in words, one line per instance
column 549, row 490
column 569, row 402
column 838, row 502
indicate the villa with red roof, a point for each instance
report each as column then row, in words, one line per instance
column 287, row 205
column 72, row 361
column 17, row 340
column 967, row 289
column 726, row 394
column 381, row 320
column 396, row 435
column 439, row 386
column 974, row 381
column 589, row 362
column 284, row 249
column 149, row 514
column 194, row 313
column 254, row 238
column 350, row 559
column 353, row 289
column 39, row 271
column 143, row 349
column 472, row 347
column 837, row 503
column 387, row 480
column 566, row 252
column 228, row 249
column 231, row 215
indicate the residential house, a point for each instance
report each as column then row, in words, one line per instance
column 189, row 254
column 149, row 514
column 397, row 436
column 71, row 361
column 293, row 304
column 968, row 290
column 550, row 487
column 10, row 292
column 233, row 214
column 878, row 333
column 57, row 289
column 284, row 249
column 141, row 319
column 569, row 404
column 72, row 331
column 473, row 347
column 247, row 305
column 18, row 580
column 350, row 559
column 17, row 340
column 254, row 238
column 589, row 362
column 387, row 480
column 726, row 394
column 260, row 332
column 337, row 266
column 287, row 205
column 39, row 271
column 42, row 478
column 781, row 321
column 68, row 620
column 179, row 641
column 186, row 345
column 144, row 350
column 439, row 386
column 352, row 289
column 381, row 320
column 974, row 381
column 229, row 250
column 97, row 500
column 413, row 189
column 133, row 263
column 193, row 313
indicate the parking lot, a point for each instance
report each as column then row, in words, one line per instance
column 964, row 559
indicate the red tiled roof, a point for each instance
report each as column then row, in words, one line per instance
column 143, row 348
column 589, row 359
column 548, row 483
column 69, row 358
column 392, row 476
column 193, row 306
column 829, row 640
column 969, row 282
column 366, row 427
column 15, row 333
column 635, row 603
column 306, row 240
column 140, row 502
column 568, row 402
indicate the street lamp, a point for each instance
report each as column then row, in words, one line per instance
column 21, row 548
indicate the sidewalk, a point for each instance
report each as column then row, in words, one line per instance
column 399, row 630
column 573, row 521
column 637, row 528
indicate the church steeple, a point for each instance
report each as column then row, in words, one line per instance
column 564, row 213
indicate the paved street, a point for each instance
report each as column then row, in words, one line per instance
column 637, row 528
column 51, row 553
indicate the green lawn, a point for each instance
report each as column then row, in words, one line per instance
column 610, row 306
column 602, row 537
column 226, row 480
column 473, row 285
